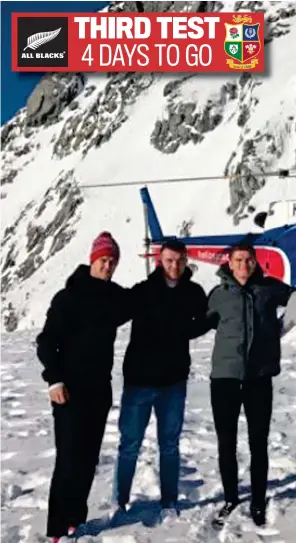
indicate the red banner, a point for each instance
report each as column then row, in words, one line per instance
column 138, row 42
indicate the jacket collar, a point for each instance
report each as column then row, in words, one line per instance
column 81, row 280
column 227, row 276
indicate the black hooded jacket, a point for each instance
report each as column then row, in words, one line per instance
column 76, row 343
column 164, row 320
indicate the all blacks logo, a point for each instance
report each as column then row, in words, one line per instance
column 42, row 42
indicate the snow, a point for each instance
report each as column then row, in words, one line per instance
column 27, row 437
column 28, row 456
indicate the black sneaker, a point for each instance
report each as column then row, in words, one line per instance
column 223, row 514
column 258, row 515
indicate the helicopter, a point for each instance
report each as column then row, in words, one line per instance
column 275, row 243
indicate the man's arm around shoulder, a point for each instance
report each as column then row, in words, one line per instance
column 128, row 300
column 198, row 322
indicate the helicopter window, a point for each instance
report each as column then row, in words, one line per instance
column 260, row 219
column 271, row 209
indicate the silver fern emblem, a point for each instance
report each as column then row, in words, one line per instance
column 34, row 41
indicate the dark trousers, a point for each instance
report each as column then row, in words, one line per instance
column 136, row 407
column 79, row 428
column 227, row 396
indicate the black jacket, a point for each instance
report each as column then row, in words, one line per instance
column 76, row 343
column 164, row 319
column 247, row 342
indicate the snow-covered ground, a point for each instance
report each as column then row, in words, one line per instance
column 28, row 456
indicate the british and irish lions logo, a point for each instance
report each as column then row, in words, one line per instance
column 242, row 42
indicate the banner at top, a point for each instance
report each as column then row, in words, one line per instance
column 138, row 42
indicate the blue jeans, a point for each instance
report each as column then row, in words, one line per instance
column 136, row 407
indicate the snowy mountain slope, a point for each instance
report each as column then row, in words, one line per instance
column 132, row 127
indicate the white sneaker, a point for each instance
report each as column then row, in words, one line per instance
column 116, row 511
column 169, row 513
column 65, row 539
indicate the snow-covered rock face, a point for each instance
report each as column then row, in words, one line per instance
column 189, row 121
column 64, row 198
column 81, row 130
column 51, row 96
column 39, row 232
column 149, row 6
column 85, row 130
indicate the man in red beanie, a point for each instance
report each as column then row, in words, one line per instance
column 76, row 350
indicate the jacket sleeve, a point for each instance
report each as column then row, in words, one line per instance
column 212, row 317
column 197, row 325
column 282, row 292
column 50, row 339
column 127, row 304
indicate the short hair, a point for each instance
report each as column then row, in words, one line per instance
column 174, row 245
column 242, row 247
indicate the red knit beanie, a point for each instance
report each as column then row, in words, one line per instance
column 104, row 245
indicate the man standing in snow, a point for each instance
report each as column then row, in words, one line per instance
column 167, row 310
column 76, row 349
column 246, row 356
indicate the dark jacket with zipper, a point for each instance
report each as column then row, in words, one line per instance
column 164, row 320
column 76, row 343
column 247, row 342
